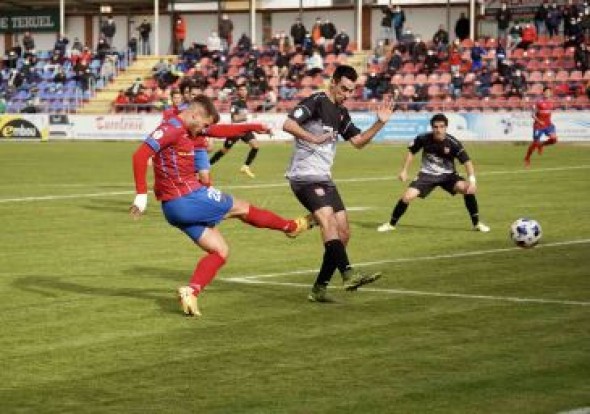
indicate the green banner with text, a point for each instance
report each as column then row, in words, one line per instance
column 46, row 20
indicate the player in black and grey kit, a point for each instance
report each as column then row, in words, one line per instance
column 439, row 151
column 316, row 123
column 239, row 113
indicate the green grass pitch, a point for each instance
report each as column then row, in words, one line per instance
column 89, row 321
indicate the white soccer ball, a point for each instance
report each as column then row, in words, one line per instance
column 526, row 232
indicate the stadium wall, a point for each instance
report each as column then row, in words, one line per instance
column 423, row 21
column 496, row 126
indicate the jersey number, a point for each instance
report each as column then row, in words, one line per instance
column 214, row 194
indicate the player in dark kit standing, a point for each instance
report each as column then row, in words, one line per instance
column 187, row 204
column 542, row 126
column 439, row 151
column 239, row 113
column 319, row 116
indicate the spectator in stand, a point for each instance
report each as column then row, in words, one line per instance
column 316, row 32
column 503, row 17
column 77, row 47
column 61, row 44
column 226, row 30
column 455, row 58
column 307, row 46
column 328, row 30
column 135, row 88
column 102, row 48
column 588, row 89
column 582, row 58
column 121, row 102
column 244, row 45
column 517, row 86
column 341, row 42
column 420, row 97
column 386, row 21
column 287, row 90
column 395, row 63
column 11, row 60
column 108, row 29
column 28, row 41
column 143, row 100
column 431, row 62
column 440, row 39
column 515, row 37
column 483, row 83
column 569, row 14
column 407, row 41
column 179, row 35
column 314, row 63
column 575, row 34
column 418, row 50
column 371, row 88
column 60, row 76
column 398, row 19
column 462, row 28
column 144, row 29
column 298, row 32
column 456, row 85
column 379, row 53
column 214, row 43
column 500, row 54
column 553, row 20
column 541, row 17
column 529, row 36
column 477, row 54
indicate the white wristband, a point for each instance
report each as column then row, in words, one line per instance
column 472, row 179
column 140, row 202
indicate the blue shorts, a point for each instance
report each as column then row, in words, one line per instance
column 202, row 160
column 193, row 212
column 538, row 133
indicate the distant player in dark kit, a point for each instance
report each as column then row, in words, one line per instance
column 189, row 206
column 316, row 122
column 542, row 126
column 239, row 113
column 439, row 151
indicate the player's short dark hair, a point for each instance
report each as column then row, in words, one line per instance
column 207, row 104
column 345, row 71
column 439, row 118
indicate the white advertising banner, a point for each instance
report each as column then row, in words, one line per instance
column 494, row 126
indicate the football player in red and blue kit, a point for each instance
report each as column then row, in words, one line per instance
column 542, row 126
column 189, row 205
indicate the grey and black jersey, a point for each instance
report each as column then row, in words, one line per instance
column 438, row 157
column 318, row 115
column 238, row 107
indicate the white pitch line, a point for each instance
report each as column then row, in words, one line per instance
column 422, row 293
column 254, row 279
column 420, row 258
column 274, row 185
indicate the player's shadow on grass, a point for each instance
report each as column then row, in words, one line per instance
column 44, row 286
column 371, row 225
column 160, row 272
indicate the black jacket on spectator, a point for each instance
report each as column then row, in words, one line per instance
column 503, row 17
column 462, row 28
column 144, row 30
column 298, row 33
column 328, row 30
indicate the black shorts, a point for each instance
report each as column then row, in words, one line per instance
column 314, row 196
column 425, row 183
column 249, row 136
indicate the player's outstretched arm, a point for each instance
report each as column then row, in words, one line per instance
column 140, row 163
column 235, row 130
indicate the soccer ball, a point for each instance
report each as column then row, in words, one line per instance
column 526, row 232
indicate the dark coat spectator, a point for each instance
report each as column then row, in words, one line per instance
column 503, row 18
column 456, row 85
column 298, row 32
column 517, row 85
column 483, row 83
column 420, row 97
column 341, row 42
column 441, row 38
column 144, row 29
column 431, row 62
column 462, row 27
column 386, row 31
column 226, row 30
column 398, row 19
column 244, row 44
column 553, row 20
column 328, row 30
column 582, row 57
column 61, row 44
column 28, row 41
column 569, row 14
column 395, row 63
column 540, row 17
column 108, row 29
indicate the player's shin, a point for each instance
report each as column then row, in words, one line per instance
column 398, row 212
column 472, row 208
column 266, row 219
column 205, row 271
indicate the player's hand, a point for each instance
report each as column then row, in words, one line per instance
column 385, row 111
column 403, row 176
column 138, row 207
column 264, row 129
column 325, row 137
